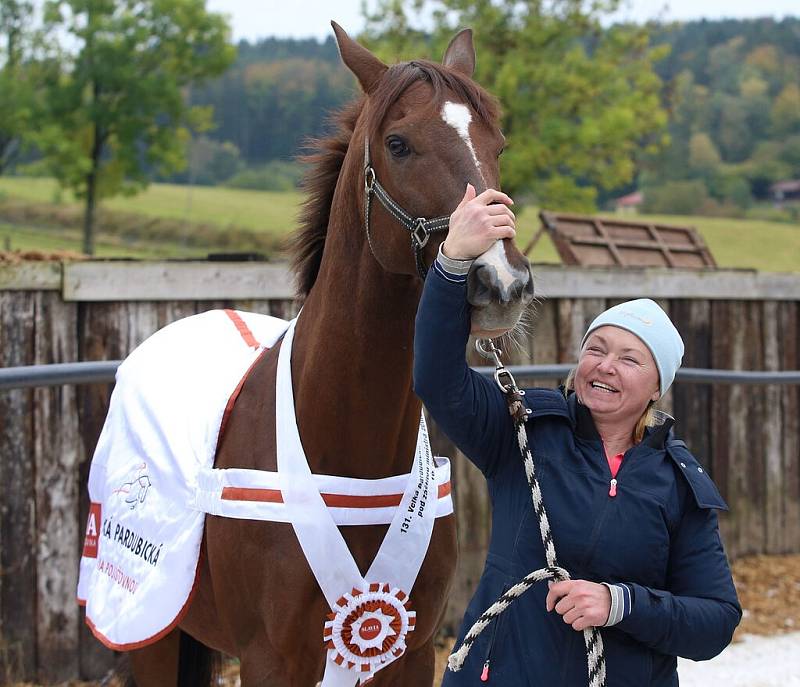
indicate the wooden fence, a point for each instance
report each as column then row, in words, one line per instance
column 748, row 437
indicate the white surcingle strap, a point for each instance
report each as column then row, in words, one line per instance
column 371, row 615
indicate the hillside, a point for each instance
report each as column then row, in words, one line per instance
column 195, row 220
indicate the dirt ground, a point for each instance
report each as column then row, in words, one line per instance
column 768, row 586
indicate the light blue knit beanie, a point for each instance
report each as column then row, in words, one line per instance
column 650, row 323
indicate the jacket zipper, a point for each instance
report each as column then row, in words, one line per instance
column 612, row 485
column 601, row 517
column 485, row 670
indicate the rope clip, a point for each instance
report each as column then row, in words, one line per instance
column 505, row 380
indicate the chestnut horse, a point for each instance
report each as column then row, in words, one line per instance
column 357, row 414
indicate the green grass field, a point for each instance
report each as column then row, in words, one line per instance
column 258, row 210
column 769, row 246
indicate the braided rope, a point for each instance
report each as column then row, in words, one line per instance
column 592, row 638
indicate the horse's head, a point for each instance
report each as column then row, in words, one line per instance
column 426, row 130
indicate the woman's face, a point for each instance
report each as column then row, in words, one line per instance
column 616, row 375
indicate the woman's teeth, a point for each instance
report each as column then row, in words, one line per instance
column 603, row 387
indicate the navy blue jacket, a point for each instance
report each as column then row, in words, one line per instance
column 659, row 534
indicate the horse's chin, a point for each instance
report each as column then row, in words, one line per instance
column 491, row 322
column 476, row 331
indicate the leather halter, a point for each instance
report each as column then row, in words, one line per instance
column 419, row 227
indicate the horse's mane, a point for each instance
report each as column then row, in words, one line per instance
column 326, row 155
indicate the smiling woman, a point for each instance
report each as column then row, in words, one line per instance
column 628, row 360
column 630, row 511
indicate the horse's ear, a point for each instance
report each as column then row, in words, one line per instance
column 367, row 68
column 460, row 54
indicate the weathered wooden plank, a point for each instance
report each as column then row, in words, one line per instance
column 118, row 281
column 789, row 328
column 772, row 432
column 544, row 337
column 56, row 449
column 692, row 402
column 722, row 458
column 98, row 333
column 745, row 465
column 30, row 276
column 172, row 311
column 755, row 489
column 170, row 281
column 570, row 329
column 17, row 516
column 573, row 282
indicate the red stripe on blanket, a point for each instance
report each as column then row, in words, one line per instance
column 244, row 330
column 331, row 500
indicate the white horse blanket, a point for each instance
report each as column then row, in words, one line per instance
column 143, row 537
column 152, row 479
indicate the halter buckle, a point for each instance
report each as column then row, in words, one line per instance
column 420, row 230
column 369, row 179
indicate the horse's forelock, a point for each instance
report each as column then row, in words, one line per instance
column 325, row 156
column 400, row 77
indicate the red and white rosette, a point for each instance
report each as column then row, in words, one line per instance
column 368, row 629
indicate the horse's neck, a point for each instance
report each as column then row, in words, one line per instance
column 352, row 369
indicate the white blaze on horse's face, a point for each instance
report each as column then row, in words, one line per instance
column 459, row 117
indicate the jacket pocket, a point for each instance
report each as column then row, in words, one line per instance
column 628, row 663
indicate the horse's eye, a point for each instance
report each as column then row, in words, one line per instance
column 397, row 146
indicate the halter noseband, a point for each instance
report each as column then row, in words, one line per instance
column 419, row 227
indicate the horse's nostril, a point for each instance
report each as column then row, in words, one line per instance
column 479, row 286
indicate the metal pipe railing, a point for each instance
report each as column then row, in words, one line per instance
column 103, row 371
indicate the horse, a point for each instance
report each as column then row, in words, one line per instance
column 360, row 283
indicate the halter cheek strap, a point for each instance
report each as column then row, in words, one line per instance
column 419, row 227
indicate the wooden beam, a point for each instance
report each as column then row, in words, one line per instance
column 175, row 281
column 661, row 282
column 30, row 276
column 99, row 281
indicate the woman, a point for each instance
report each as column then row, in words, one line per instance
column 631, row 511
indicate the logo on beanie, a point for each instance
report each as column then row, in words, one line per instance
column 635, row 316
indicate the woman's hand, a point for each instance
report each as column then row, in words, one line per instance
column 478, row 222
column 580, row 603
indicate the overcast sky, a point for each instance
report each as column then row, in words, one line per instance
column 303, row 18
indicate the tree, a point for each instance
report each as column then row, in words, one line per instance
column 703, row 155
column 580, row 101
column 16, row 90
column 676, row 198
column 786, row 111
column 118, row 108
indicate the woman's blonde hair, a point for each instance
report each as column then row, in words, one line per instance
column 648, row 418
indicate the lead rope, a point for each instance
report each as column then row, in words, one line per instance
column 591, row 636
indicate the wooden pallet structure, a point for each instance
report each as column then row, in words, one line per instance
column 589, row 241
